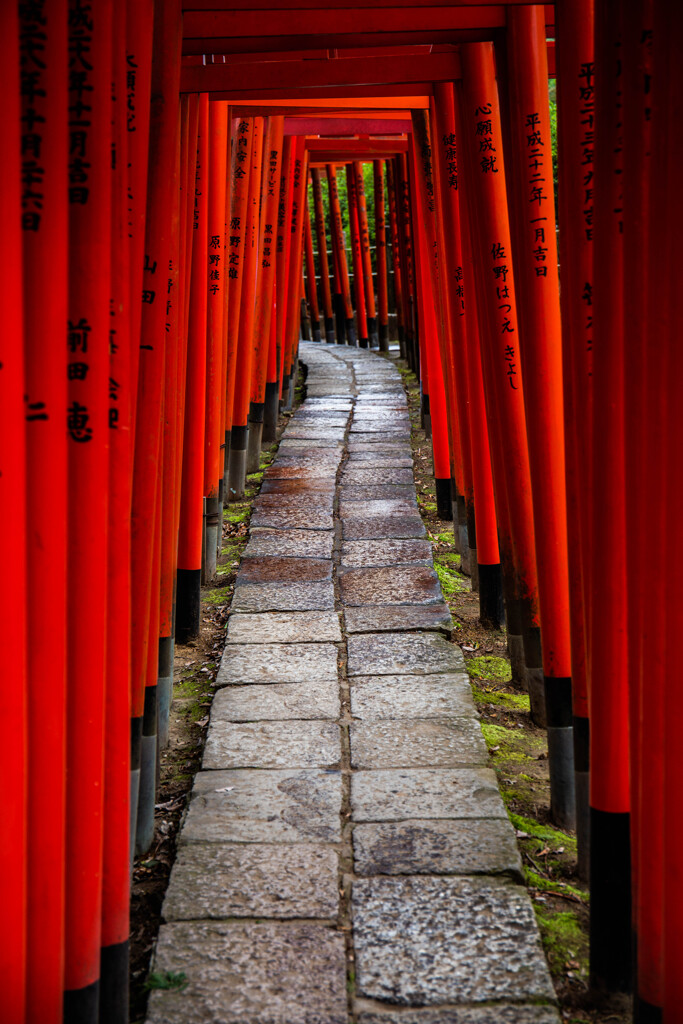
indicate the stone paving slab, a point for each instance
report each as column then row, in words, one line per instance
column 282, row 597
column 316, row 500
column 358, row 443
column 243, row 972
column 367, row 460
column 381, row 475
column 412, row 654
column 383, row 527
column 317, row 698
column 367, row 553
column 445, row 695
column 290, row 744
column 277, row 663
column 292, row 518
column 253, row 806
column 284, row 627
column 289, row 543
column 397, row 794
column 296, row 486
column 370, row 508
column 423, row 941
column 288, row 443
column 273, row 569
column 368, row 1012
column 418, row 847
column 218, row 880
column 392, row 618
column 367, row 492
column 299, row 471
column 390, row 585
column 381, row 435
column 434, row 743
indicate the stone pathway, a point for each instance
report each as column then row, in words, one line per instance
column 346, row 855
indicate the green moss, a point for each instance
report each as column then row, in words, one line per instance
column 507, row 744
column 489, row 667
column 167, row 979
column 536, row 881
column 549, row 836
column 563, row 940
column 451, row 582
column 219, row 596
column 500, row 698
column 255, row 478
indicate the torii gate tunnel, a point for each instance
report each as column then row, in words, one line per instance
column 169, row 193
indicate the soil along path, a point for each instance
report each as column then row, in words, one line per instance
column 346, row 855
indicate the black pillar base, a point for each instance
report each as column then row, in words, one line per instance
column 82, row 1005
column 372, row 332
column 610, row 919
column 305, row 322
column 188, row 604
column 559, row 718
column 383, row 337
column 351, row 333
column 270, row 412
column 646, row 1013
column 114, row 967
column 329, row 330
column 315, row 330
column 444, row 507
column 581, row 730
column 491, row 608
column 339, row 318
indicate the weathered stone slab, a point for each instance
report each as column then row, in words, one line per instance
column 390, row 585
column 285, row 597
column 371, row 508
column 322, row 457
column 397, row 794
column 446, row 940
column 368, row 443
column 382, row 435
column 367, row 553
column 253, row 806
column 244, row 972
column 300, row 471
column 316, row 500
column 393, row 618
column 412, row 654
column 484, row 846
column 296, row 486
column 317, row 698
column 307, row 443
column 368, row 492
column 430, row 743
column 380, row 475
column 276, row 663
column 289, row 543
column 382, row 527
column 444, row 695
column 218, row 880
column 290, row 744
column 271, row 569
column 367, row 1012
column 284, row 628
column 365, row 460
column 367, row 425
column 292, row 519
column 327, row 433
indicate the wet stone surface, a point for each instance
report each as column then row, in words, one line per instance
column 370, row 509
column 289, row 744
column 412, row 653
column 217, row 880
column 418, row 847
column 434, row 743
column 278, row 518
column 284, row 627
column 395, row 618
column 367, row 1012
column 251, row 972
column 315, row 486
column 277, row 663
column 367, row 493
column 383, row 527
column 286, row 597
column 252, row 806
column 416, row 697
column 381, row 475
column 390, row 585
column 318, row 698
column 397, row 794
column 271, row 569
column 446, row 940
column 367, row 553
column 290, row 543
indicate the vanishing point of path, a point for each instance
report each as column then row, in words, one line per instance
column 346, row 855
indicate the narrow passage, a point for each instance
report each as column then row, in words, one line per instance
column 346, row 855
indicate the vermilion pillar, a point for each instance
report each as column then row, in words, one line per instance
column 370, row 309
column 263, row 314
column 499, row 330
column 89, row 187
column 575, row 118
column 396, row 258
column 13, row 716
column 216, row 283
column 283, row 255
column 381, row 256
column 45, row 256
column 190, row 527
column 311, row 289
column 323, row 264
column 403, row 210
column 299, row 193
column 541, row 354
column 339, row 246
column 357, row 257
column 608, row 644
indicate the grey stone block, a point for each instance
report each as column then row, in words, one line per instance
column 392, row 552
column 396, row 794
column 302, row 487
column 381, row 475
column 253, row 806
column 284, row 627
column 292, row 518
column 370, row 508
column 368, row 1012
column 381, row 528
column 367, row 492
column 484, row 846
column 243, row 972
column 317, row 698
column 273, row 569
column 393, row 618
column 290, row 543
column 288, row 744
column 219, row 880
column 442, row 695
column 300, row 470
column 277, row 663
column 301, row 501
column 409, row 654
column 271, row 597
column 390, row 585
column 430, row 743
column 422, row 941
column 401, row 433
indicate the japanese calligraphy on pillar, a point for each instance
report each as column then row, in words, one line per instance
column 501, row 272
column 484, row 131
